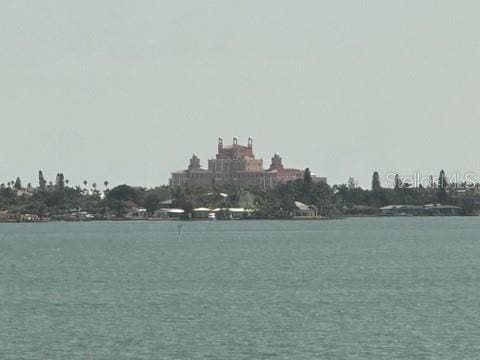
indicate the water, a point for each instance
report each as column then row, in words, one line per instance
column 376, row 288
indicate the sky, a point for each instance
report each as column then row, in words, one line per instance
column 127, row 91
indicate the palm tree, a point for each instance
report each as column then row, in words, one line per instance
column 85, row 182
column 106, row 184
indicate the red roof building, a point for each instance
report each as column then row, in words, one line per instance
column 236, row 165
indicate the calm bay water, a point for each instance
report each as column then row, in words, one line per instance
column 377, row 288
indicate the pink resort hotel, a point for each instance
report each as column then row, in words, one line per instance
column 236, row 165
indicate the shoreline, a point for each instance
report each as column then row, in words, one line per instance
column 230, row 220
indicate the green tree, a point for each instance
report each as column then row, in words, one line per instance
column 376, row 181
column 442, row 187
column 307, row 176
column 352, row 184
column 60, row 182
column 187, row 198
column 442, row 180
column 42, row 183
column 152, row 202
column 127, row 193
column 18, row 184
column 56, row 199
column 398, row 182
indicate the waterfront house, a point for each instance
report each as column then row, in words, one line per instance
column 136, row 213
column 169, row 213
column 166, row 203
column 6, row 215
column 233, row 213
column 402, row 210
column 442, row 210
column 303, row 210
column 201, row 213
column 417, row 210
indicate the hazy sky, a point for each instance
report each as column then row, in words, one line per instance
column 126, row 91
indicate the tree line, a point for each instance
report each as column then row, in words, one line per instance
column 53, row 198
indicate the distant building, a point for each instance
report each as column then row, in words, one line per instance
column 236, row 165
